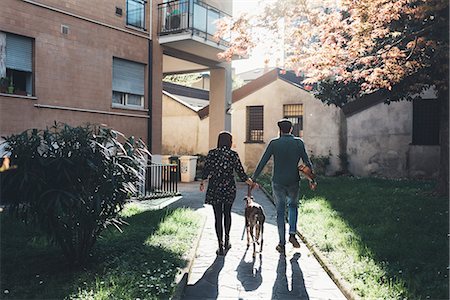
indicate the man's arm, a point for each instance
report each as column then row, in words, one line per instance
column 263, row 161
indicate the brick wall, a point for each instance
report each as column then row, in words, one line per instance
column 73, row 70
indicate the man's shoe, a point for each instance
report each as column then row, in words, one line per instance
column 294, row 241
column 281, row 249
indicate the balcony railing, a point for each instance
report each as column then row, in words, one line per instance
column 161, row 180
column 185, row 16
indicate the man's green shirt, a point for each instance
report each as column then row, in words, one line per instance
column 287, row 150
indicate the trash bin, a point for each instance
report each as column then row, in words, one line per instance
column 188, row 166
column 175, row 172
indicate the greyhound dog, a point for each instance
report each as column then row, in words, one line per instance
column 254, row 222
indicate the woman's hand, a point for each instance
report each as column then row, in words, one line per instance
column 202, row 186
column 251, row 183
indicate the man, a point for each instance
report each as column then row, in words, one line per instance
column 287, row 150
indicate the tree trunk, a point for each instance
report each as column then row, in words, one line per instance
column 443, row 180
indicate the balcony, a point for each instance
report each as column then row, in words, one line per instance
column 189, row 27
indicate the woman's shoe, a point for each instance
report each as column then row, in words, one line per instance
column 227, row 244
column 219, row 251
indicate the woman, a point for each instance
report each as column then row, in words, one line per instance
column 220, row 165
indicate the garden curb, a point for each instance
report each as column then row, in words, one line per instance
column 182, row 278
column 334, row 274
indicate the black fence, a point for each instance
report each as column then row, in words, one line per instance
column 161, row 180
column 186, row 16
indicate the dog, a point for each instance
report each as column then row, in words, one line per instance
column 309, row 174
column 254, row 223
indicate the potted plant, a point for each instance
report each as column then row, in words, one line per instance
column 4, row 83
column 11, row 86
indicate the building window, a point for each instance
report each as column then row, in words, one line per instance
column 294, row 113
column 16, row 76
column 255, row 124
column 425, row 122
column 128, row 83
column 136, row 13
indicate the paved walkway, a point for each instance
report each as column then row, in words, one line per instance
column 237, row 275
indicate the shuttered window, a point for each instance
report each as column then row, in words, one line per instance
column 255, row 124
column 128, row 76
column 425, row 122
column 19, row 53
column 128, row 82
column 18, row 62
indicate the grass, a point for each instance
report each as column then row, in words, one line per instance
column 140, row 263
column 387, row 238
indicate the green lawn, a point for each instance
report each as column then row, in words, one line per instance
column 388, row 238
column 142, row 262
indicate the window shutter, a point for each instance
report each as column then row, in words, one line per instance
column 425, row 122
column 19, row 53
column 128, row 76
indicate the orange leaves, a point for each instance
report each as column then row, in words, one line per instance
column 238, row 34
column 374, row 43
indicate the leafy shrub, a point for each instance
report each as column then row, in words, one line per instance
column 320, row 163
column 71, row 182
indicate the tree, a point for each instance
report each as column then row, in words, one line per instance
column 71, row 182
column 183, row 79
column 396, row 47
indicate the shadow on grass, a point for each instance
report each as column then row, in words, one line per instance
column 122, row 265
column 397, row 224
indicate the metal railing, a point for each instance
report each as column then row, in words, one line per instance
column 197, row 18
column 161, row 180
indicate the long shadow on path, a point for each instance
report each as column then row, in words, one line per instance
column 206, row 287
column 249, row 276
column 297, row 288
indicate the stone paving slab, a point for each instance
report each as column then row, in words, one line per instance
column 238, row 275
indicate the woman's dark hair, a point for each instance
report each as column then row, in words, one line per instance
column 225, row 139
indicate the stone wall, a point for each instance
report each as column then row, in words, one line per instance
column 379, row 144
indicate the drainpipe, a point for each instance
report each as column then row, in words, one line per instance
column 150, row 95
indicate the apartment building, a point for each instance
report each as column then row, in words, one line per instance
column 102, row 61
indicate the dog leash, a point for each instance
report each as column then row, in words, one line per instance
column 249, row 191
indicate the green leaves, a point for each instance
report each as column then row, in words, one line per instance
column 71, row 182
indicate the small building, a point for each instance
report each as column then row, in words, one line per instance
column 258, row 105
column 185, row 125
column 366, row 137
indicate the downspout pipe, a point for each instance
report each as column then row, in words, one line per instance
column 150, row 95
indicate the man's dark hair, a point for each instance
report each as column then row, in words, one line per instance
column 285, row 125
column 225, row 139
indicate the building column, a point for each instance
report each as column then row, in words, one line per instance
column 155, row 86
column 219, row 102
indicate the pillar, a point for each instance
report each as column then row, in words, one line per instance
column 219, row 102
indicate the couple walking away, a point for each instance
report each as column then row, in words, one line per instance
column 221, row 164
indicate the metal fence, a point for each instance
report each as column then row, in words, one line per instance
column 161, row 180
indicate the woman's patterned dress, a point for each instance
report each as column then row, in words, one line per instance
column 220, row 165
